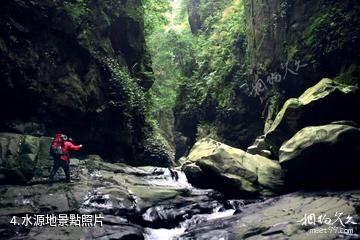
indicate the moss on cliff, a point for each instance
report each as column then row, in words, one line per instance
column 133, row 10
column 333, row 33
column 77, row 10
column 332, row 28
column 80, row 67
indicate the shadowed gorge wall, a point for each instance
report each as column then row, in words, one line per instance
column 75, row 66
column 321, row 34
column 200, row 119
column 254, row 61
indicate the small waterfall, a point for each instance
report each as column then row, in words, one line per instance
column 168, row 177
column 163, row 233
column 96, row 201
column 192, row 214
column 170, row 234
column 169, row 218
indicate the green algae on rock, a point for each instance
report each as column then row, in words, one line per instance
column 314, row 107
column 230, row 170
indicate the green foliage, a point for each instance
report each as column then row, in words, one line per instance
column 291, row 53
column 190, row 69
column 155, row 15
column 77, row 10
column 135, row 96
column 172, row 59
column 211, row 12
column 157, row 149
column 350, row 75
column 138, row 102
column 171, row 49
column 134, row 11
column 207, row 130
column 331, row 29
column 217, row 54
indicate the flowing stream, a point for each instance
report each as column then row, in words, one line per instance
column 160, row 201
column 215, row 208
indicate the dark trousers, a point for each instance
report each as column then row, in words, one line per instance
column 57, row 164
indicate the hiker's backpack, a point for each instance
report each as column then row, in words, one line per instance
column 56, row 148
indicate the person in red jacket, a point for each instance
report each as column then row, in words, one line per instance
column 64, row 160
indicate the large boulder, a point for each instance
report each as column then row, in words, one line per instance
column 260, row 147
column 314, row 107
column 22, row 157
column 212, row 164
column 326, row 155
column 44, row 159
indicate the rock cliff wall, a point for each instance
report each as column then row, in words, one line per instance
column 287, row 47
column 79, row 67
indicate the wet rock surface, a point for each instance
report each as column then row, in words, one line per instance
column 82, row 67
column 159, row 203
column 329, row 155
column 131, row 199
column 260, row 147
column 314, row 107
column 282, row 218
column 232, row 171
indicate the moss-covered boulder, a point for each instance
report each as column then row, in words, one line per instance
column 322, row 156
column 22, row 157
column 44, row 160
column 14, row 166
column 316, row 106
column 212, row 164
column 157, row 151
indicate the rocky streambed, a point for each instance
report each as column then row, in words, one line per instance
column 159, row 203
column 137, row 203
